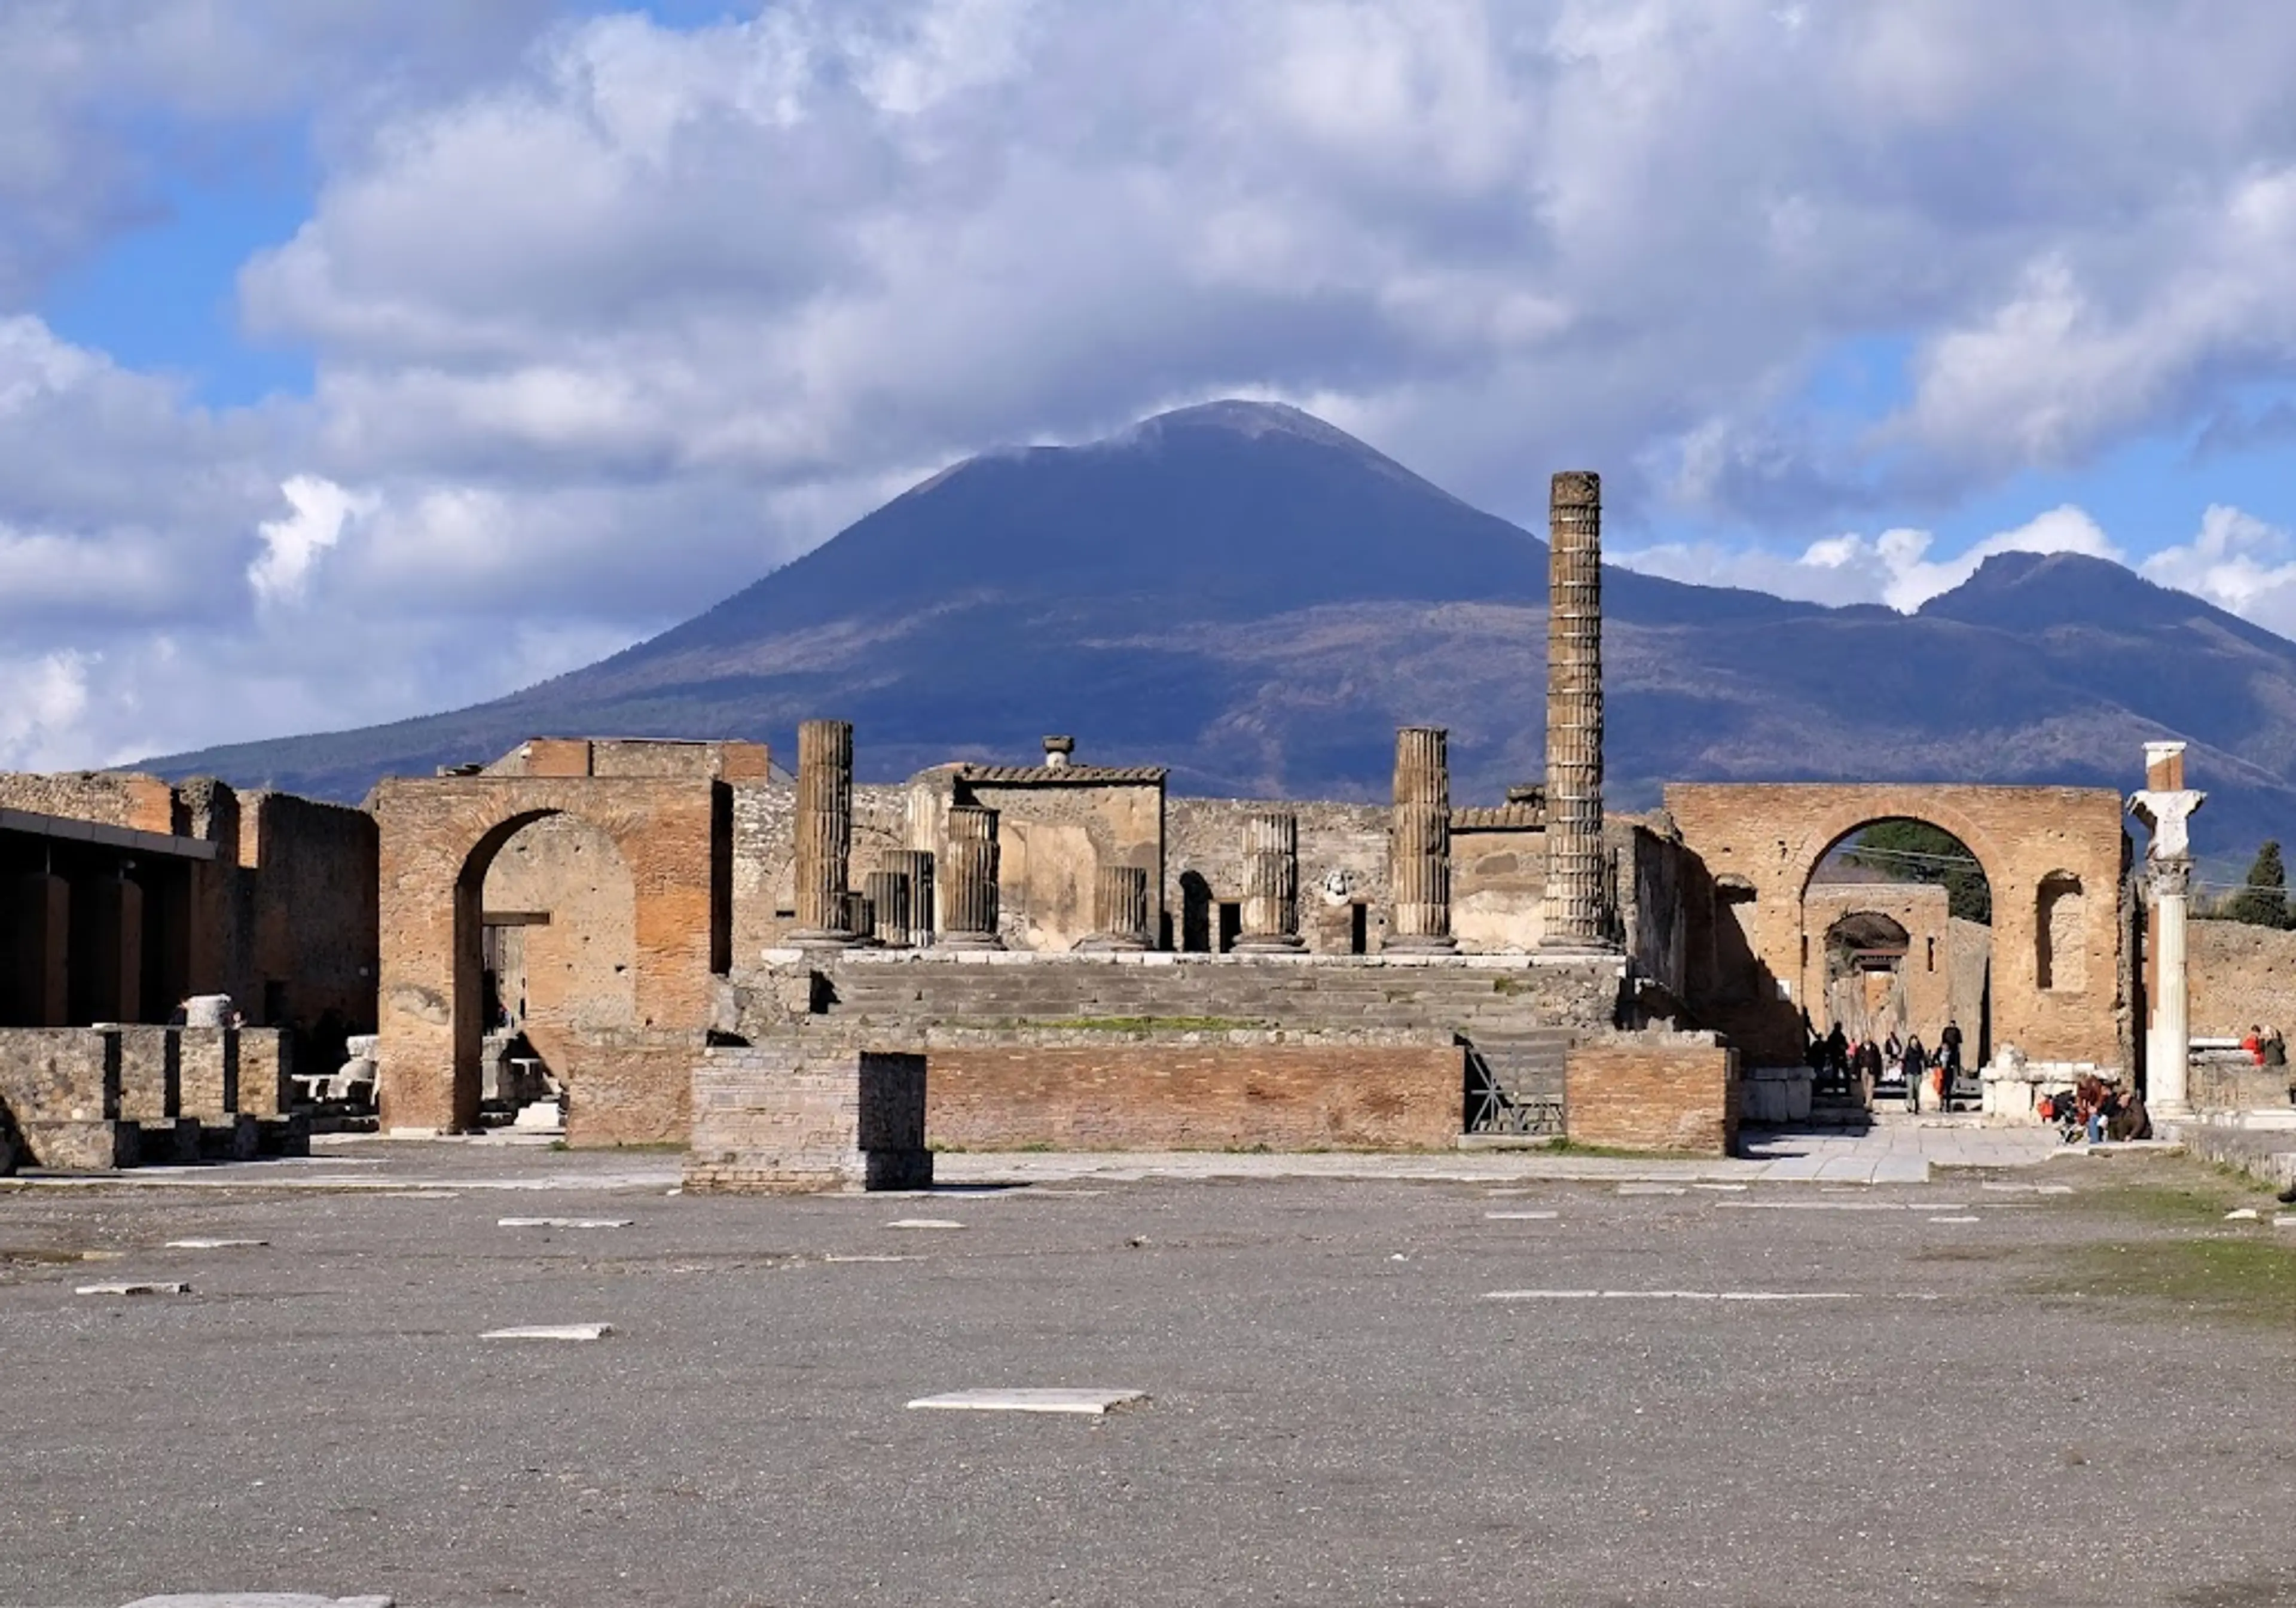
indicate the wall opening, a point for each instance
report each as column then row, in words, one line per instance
column 2061, row 956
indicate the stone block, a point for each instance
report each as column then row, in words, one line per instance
column 151, row 1086
column 60, row 1074
column 233, row 1138
column 788, row 1119
column 286, row 1136
column 82, row 1146
column 208, row 1072
column 170, row 1141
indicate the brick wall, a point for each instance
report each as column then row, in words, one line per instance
column 1655, row 1093
column 2240, row 976
column 630, row 1088
column 1159, row 1094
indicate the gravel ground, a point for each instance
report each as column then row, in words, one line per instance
column 1339, row 1413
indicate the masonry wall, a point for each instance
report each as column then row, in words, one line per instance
column 129, row 799
column 308, row 894
column 1342, row 864
column 573, row 971
column 2240, row 976
column 1176, row 1093
column 1667, row 1093
column 1052, row 837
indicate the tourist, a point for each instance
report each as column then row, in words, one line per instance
column 1869, row 1067
column 2131, row 1121
column 1893, row 1048
column 1915, row 1063
column 2254, row 1044
column 1949, row 1046
column 1837, row 1052
column 2276, row 1048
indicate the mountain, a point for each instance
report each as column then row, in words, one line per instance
column 1257, row 599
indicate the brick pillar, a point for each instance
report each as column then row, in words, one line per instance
column 971, row 886
column 1419, row 843
column 825, row 829
column 916, row 865
column 39, row 993
column 1119, row 909
column 1574, row 917
column 1271, row 882
column 889, row 903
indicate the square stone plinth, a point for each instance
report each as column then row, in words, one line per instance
column 793, row 1120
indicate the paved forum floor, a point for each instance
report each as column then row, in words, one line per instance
column 1502, row 1387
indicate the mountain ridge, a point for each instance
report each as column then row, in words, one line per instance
column 1252, row 597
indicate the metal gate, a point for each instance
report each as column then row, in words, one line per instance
column 1514, row 1086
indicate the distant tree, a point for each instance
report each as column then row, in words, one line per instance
column 1914, row 851
column 2264, row 901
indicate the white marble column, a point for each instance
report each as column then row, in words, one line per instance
column 2168, row 1041
column 2166, row 807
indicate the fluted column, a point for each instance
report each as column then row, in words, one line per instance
column 915, row 865
column 860, row 917
column 825, row 829
column 1119, row 909
column 1271, row 882
column 970, row 888
column 1575, row 879
column 888, row 905
column 1419, row 843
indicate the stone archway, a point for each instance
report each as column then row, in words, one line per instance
column 1772, row 837
column 439, row 837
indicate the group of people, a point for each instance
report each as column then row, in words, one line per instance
column 2097, row 1111
column 1928, row 1074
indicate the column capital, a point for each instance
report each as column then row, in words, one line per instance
column 2169, row 879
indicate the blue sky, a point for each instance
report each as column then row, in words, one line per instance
column 466, row 344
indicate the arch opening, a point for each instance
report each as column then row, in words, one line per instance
column 546, row 937
column 1905, row 908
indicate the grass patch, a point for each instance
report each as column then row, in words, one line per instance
column 1561, row 1145
column 2238, row 1278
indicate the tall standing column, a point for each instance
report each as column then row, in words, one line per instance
column 1119, row 909
column 2166, row 805
column 970, row 885
column 916, row 865
column 1574, row 714
column 825, row 829
column 1419, row 843
column 1271, row 882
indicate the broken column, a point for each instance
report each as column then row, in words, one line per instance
column 2166, row 805
column 1575, row 869
column 825, row 829
column 889, row 901
column 1271, row 882
column 915, row 865
column 970, row 885
column 1119, row 909
column 1419, row 843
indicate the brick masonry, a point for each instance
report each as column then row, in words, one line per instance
column 1202, row 1093
column 1653, row 1092
column 788, row 1120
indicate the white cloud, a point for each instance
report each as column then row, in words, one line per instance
column 2237, row 562
column 40, row 716
column 293, row 544
column 609, row 317
column 1893, row 568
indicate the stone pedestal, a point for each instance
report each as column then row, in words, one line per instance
column 1119, row 909
column 1419, row 844
column 969, row 889
column 916, row 865
column 1575, row 867
column 887, row 892
column 786, row 1121
column 825, row 831
column 1271, row 883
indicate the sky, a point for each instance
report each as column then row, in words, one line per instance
column 361, row 358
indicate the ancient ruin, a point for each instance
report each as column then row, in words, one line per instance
column 804, row 978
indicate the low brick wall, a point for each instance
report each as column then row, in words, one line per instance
column 1655, row 1093
column 1164, row 1093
